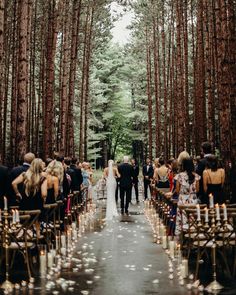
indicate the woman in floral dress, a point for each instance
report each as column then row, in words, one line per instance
column 187, row 186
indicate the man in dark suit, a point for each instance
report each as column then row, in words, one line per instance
column 76, row 175
column 206, row 149
column 3, row 184
column 135, row 178
column 118, row 184
column 147, row 176
column 15, row 172
column 126, row 177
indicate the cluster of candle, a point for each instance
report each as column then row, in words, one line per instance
column 171, row 247
column 214, row 209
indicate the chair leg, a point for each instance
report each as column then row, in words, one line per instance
column 197, row 264
column 13, row 258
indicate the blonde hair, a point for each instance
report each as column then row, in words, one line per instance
column 32, row 177
column 55, row 168
column 183, row 155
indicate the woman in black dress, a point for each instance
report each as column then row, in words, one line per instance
column 54, row 181
column 213, row 180
column 34, row 188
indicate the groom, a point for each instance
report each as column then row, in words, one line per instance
column 126, row 176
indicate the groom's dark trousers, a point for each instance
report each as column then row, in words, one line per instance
column 126, row 176
column 124, row 202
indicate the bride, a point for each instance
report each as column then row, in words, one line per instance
column 110, row 174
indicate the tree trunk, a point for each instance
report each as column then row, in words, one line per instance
column 22, row 80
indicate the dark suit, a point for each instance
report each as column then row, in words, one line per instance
column 135, row 180
column 126, row 176
column 15, row 172
column 148, row 175
column 3, row 184
column 76, row 177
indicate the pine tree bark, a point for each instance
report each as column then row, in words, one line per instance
column 149, row 94
column 22, row 80
column 2, row 6
column 72, row 75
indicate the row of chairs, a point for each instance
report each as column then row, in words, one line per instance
column 36, row 229
column 205, row 239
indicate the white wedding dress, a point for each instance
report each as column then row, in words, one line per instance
column 111, row 210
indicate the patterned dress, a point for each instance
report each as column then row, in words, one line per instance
column 187, row 195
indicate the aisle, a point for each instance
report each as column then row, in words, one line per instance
column 127, row 262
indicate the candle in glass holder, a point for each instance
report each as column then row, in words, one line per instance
column 225, row 212
column 179, row 255
column 185, row 268
column 198, row 213
column 164, row 242
column 13, row 217
column 57, row 242
column 206, row 215
column 5, row 204
column 172, row 249
column 43, row 265
column 211, row 201
column 50, row 260
column 217, row 212
column 63, row 251
column 17, row 216
column 63, row 241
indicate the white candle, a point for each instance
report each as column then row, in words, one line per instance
column 185, row 268
column 5, row 204
column 211, row 201
column 225, row 212
column 13, row 216
column 50, row 260
column 206, row 215
column 164, row 242
column 172, row 249
column 74, row 233
column 42, row 260
column 217, row 212
column 17, row 216
column 182, row 271
column 63, row 241
column 73, row 225
column 63, row 251
column 162, row 230
column 198, row 213
column 54, row 253
column 179, row 255
column 57, row 243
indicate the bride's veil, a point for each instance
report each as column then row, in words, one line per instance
column 110, row 169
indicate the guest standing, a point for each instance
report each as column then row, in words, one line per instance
column 161, row 175
column 135, row 178
column 213, row 180
column 54, row 172
column 77, row 178
column 34, row 190
column 147, row 176
column 15, row 172
column 187, row 187
column 206, row 150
